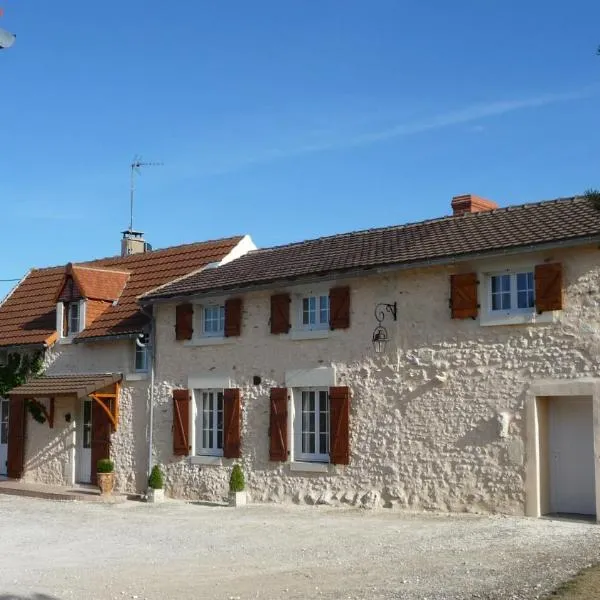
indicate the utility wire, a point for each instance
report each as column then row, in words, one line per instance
column 6, row 280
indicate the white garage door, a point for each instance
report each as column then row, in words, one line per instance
column 572, row 480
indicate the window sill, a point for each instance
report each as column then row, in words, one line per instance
column 518, row 319
column 216, row 461
column 210, row 341
column 309, row 467
column 65, row 340
column 309, row 334
column 142, row 376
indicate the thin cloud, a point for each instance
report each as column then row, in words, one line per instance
column 469, row 114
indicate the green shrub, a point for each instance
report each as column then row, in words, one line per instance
column 105, row 465
column 236, row 481
column 155, row 481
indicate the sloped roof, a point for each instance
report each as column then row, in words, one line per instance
column 99, row 284
column 449, row 237
column 51, row 386
column 28, row 315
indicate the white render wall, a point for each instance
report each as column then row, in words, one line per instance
column 49, row 453
column 437, row 422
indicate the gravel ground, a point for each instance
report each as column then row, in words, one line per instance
column 54, row 550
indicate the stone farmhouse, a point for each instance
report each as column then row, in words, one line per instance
column 94, row 340
column 450, row 364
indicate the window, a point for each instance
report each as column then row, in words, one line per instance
column 213, row 321
column 315, row 312
column 3, row 421
column 511, row 293
column 209, row 422
column 3, row 358
column 70, row 318
column 142, row 353
column 311, row 425
column 73, row 323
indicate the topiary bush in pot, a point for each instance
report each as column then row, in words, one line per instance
column 156, row 483
column 237, row 487
column 105, row 474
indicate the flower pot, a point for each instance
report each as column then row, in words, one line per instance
column 155, row 496
column 238, row 499
column 106, row 483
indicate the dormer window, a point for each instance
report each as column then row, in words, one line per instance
column 70, row 318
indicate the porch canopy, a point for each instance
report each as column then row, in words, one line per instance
column 103, row 388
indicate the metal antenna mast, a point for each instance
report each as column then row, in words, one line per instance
column 136, row 166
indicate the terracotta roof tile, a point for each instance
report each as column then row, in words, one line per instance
column 28, row 315
column 516, row 226
column 50, row 386
column 100, row 284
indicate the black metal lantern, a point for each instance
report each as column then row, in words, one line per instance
column 380, row 334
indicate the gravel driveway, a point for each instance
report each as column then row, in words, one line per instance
column 177, row 550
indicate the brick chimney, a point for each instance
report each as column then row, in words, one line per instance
column 469, row 203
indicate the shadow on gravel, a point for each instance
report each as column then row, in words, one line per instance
column 34, row 597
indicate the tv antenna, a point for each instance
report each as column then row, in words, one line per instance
column 136, row 166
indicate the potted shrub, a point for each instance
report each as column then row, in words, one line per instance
column 155, row 493
column 105, row 473
column 237, row 486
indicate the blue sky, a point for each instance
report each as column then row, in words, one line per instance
column 285, row 119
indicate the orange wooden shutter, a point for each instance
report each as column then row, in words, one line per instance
column 278, row 433
column 101, row 430
column 339, row 421
column 280, row 313
column 233, row 317
column 232, row 411
column 548, row 287
column 17, row 426
column 181, row 422
column 339, row 307
column 463, row 296
column 184, row 322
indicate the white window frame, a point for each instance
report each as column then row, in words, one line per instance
column 296, row 427
column 60, row 308
column 512, row 316
column 200, row 332
column 142, row 349
column 318, row 325
column 198, row 423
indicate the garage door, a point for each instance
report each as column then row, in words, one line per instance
column 572, row 480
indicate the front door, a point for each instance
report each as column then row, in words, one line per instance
column 84, row 443
column 4, row 403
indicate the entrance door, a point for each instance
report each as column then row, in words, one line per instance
column 84, row 443
column 4, row 404
column 572, row 478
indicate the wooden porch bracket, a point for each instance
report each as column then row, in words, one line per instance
column 112, row 410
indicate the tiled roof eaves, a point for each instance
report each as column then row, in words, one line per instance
column 356, row 271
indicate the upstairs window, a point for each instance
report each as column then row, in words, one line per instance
column 142, row 353
column 314, row 312
column 511, row 293
column 213, row 321
column 70, row 318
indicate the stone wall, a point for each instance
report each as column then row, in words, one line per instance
column 437, row 421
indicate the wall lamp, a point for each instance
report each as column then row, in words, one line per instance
column 380, row 334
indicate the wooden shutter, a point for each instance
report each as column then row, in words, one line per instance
column 280, row 313
column 101, row 430
column 233, row 317
column 17, row 426
column 463, row 296
column 339, row 307
column 184, row 322
column 232, row 418
column 548, row 287
column 181, row 422
column 278, row 433
column 339, row 421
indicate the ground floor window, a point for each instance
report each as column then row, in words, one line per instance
column 311, row 425
column 208, row 422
